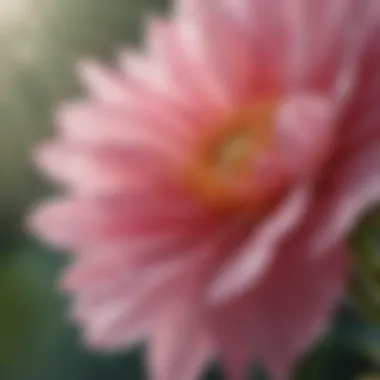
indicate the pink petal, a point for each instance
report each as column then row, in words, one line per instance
column 121, row 126
column 116, row 322
column 347, row 195
column 250, row 261
column 145, row 72
column 179, row 348
column 154, row 89
column 281, row 318
column 365, row 128
column 265, row 21
column 306, row 131
column 169, row 51
column 106, row 267
column 360, row 124
column 89, row 170
column 209, row 35
column 90, row 222
column 141, row 84
column 104, row 84
column 221, row 46
column 102, row 169
column 322, row 57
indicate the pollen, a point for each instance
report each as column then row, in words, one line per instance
column 225, row 167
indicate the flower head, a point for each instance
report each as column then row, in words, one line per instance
column 212, row 180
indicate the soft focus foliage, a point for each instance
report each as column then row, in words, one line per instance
column 21, row 298
column 365, row 289
column 26, row 301
column 40, row 42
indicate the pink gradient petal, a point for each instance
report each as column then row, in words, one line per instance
column 170, row 54
column 95, row 296
column 350, row 191
column 363, row 109
column 280, row 318
column 104, row 84
column 81, row 222
column 199, row 252
column 265, row 21
column 198, row 27
column 91, row 171
column 121, row 125
column 139, row 255
column 153, row 88
column 102, row 170
column 179, row 347
column 150, row 301
column 250, row 261
column 320, row 61
column 146, row 73
column 230, row 61
column 306, row 128
column 169, row 98
column 120, row 320
column 367, row 134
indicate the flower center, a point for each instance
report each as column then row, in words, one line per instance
column 228, row 169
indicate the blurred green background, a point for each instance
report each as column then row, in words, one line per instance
column 40, row 42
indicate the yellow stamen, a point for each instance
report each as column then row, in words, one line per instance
column 221, row 170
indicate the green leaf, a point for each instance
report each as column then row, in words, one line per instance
column 365, row 284
column 30, row 310
column 369, row 376
column 22, row 303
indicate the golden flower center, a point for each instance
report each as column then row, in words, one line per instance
column 223, row 168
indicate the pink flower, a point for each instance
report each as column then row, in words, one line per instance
column 212, row 180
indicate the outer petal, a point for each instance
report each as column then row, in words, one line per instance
column 118, row 317
column 279, row 319
column 218, row 46
column 342, row 199
column 179, row 347
column 121, row 125
column 360, row 125
column 306, row 130
column 168, row 48
column 265, row 21
column 103, row 170
column 88, row 222
column 324, row 59
column 104, row 84
column 301, row 54
column 250, row 260
column 118, row 301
